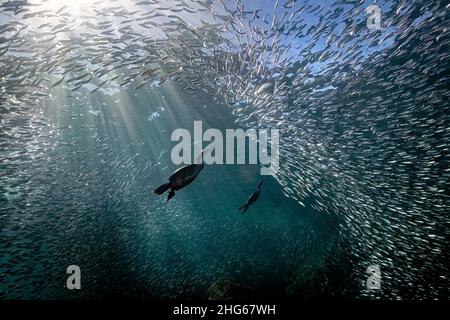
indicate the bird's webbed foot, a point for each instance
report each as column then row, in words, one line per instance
column 171, row 194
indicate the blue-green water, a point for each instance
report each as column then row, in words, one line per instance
column 96, row 209
column 90, row 93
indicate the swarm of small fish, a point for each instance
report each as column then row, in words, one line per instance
column 363, row 113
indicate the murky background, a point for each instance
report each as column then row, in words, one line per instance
column 90, row 92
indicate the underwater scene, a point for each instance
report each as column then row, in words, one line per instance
column 224, row 149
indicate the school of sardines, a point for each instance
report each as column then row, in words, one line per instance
column 363, row 114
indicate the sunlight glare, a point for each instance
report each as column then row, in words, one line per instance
column 73, row 7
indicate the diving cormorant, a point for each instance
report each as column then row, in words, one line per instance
column 181, row 178
column 253, row 197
